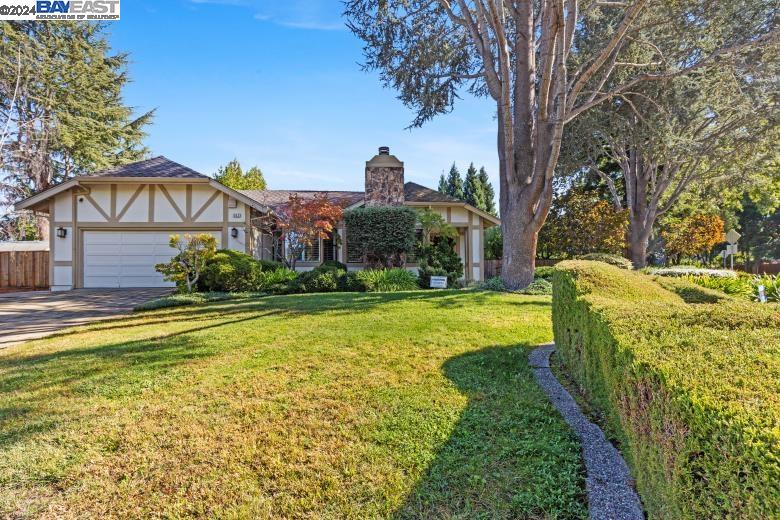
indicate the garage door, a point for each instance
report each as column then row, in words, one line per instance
column 126, row 259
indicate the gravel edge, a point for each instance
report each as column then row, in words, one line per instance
column 611, row 495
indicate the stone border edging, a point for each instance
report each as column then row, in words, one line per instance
column 608, row 481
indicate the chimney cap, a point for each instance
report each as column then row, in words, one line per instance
column 384, row 150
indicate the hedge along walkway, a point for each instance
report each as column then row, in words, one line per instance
column 610, row 494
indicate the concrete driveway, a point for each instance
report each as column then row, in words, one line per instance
column 30, row 315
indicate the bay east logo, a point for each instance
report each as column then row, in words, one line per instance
column 78, row 9
column 60, row 10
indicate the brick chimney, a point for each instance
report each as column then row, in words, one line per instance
column 384, row 180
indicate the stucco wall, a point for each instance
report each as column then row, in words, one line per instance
column 178, row 207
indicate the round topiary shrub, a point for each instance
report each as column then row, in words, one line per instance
column 230, row 271
column 617, row 261
column 539, row 287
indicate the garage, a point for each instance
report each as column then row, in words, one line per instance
column 115, row 259
column 109, row 229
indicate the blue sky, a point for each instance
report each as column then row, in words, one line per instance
column 278, row 84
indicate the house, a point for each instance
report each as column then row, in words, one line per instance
column 109, row 229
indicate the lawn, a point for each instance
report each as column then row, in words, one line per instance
column 415, row 405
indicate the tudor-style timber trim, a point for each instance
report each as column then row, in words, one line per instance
column 113, row 203
column 152, row 195
column 172, row 202
column 130, row 202
column 188, row 203
column 225, row 222
column 94, row 203
column 214, row 196
column 51, row 242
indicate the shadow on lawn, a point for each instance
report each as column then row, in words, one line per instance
column 116, row 369
column 509, row 456
column 335, row 303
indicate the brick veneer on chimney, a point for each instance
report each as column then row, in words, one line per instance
column 384, row 180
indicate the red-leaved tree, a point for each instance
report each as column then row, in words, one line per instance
column 303, row 222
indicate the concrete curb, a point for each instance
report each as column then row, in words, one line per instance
column 608, row 482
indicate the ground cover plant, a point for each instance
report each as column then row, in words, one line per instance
column 361, row 405
column 687, row 379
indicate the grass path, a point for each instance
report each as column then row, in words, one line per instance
column 417, row 405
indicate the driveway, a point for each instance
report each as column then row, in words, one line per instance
column 30, row 315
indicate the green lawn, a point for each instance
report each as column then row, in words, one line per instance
column 416, row 405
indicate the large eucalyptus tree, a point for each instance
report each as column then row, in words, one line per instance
column 544, row 63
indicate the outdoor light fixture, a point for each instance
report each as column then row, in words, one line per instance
column 234, row 233
column 62, row 232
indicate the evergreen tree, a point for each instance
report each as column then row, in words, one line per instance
column 473, row 189
column 61, row 107
column 490, row 194
column 254, row 180
column 442, row 184
column 232, row 176
column 455, row 183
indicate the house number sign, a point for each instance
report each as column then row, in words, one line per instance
column 238, row 215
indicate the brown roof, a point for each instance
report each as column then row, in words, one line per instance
column 413, row 192
column 276, row 198
column 156, row 167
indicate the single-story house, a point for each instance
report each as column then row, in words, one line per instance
column 109, row 229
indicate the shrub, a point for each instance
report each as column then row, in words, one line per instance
column 493, row 284
column 771, row 285
column 270, row 265
column 686, row 270
column 230, row 271
column 383, row 235
column 318, row 280
column 617, row 261
column 689, row 391
column 545, row 272
column 333, row 264
column 737, row 286
column 388, row 280
column 185, row 269
column 539, row 287
column 440, row 259
column 277, row 281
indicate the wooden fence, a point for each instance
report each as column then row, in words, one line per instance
column 24, row 270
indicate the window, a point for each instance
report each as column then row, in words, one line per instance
column 309, row 253
column 329, row 249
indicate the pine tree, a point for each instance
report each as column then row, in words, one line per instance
column 490, row 194
column 62, row 107
column 442, row 184
column 232, row 176
column 455, row 183
column 254, row 180
column 473, row 190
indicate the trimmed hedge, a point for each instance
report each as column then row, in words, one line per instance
column 691, row 392
column 616, row 260
column 382, row 234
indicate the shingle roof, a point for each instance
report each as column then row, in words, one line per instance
column 276, row 198
column 156, row 167
column 413, row 192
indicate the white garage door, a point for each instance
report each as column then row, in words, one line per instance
column 126, row 258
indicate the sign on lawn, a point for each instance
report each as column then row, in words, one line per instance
column 438, row 282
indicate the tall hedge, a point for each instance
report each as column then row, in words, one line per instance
column 691, row 391
column 383, row 235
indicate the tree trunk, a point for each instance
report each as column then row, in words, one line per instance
column 519, row 256
column 639, row 238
